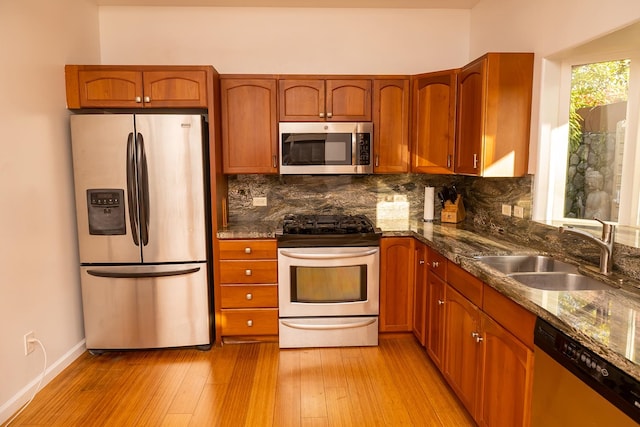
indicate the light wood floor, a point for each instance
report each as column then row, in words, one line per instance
column 251, row 385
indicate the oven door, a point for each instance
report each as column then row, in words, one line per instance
column 318, row 282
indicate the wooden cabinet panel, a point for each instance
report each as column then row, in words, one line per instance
column 494, row 115
column 249, row 126
column 391, row 126
column 420, row 262
column 318, row 100
column 98, row 86
column 438, row 264
column 516, row 319
column 249, row 296
column 435, row 318
column 462, row 348
column 248, row 249
column 254, row 271
column 396, row 284
column 507, row 365
column 433, row 124
column 467, row 284
column 262, row 321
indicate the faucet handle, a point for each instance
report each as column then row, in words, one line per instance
column 608, row 230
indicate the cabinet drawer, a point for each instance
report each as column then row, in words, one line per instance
column 262, row 271
column 438, row 264
column 516, row 319
column 468, row 285
column 248, row 249
column 243, row 296
column 250, row 322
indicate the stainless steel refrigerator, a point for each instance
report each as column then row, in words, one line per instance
column 142, row 228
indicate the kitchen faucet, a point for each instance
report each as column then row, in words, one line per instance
column 605, row 243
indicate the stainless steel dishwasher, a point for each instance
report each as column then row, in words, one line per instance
column 574, row 387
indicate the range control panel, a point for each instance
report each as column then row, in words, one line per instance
column 106, row 211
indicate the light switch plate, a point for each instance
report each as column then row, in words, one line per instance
column 259, row 201
column 518, row 211
column 506, row 210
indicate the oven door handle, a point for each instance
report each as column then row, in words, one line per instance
column 328, row 256
column 316, row 327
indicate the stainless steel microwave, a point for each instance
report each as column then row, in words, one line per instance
column 326, row 148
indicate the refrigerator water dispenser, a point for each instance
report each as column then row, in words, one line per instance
column 106, row 211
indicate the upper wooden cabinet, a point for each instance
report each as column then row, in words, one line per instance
column 249, row 125
column 391, row 125
column 103, row 86
column 318, row 100
column 494, row 115
column 433, row 123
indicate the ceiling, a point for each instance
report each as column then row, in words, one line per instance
column 392, row 4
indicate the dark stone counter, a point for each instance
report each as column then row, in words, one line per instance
column 606, row 322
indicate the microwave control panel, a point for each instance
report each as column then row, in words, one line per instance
column 106, row 211
column 364, row 149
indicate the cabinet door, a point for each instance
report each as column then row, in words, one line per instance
column 420, row 292
column 109, row 88
column 301, row 100
column 462, row 348
column 179, row 89
column 435, row 318
column 507, row 366
column 433, row 128
column 396, row 284
column 249, row 126
column 348, row 100
column 391, row 126
column 470, row 119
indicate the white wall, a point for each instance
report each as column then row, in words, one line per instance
column 280, row 40
column 39, row 279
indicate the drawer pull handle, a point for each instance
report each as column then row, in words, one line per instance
column 247, row 250
column 147, row 99
column 248, row 272
column 249, row 296
column 249, row 323
column 435, row 264
column 421, row 261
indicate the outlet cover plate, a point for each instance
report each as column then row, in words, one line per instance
column 259, row 201
column 506, row 210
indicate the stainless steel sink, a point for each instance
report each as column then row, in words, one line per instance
column 526, row 264
column 558, row 281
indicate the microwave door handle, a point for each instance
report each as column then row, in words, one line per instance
column 297, row 255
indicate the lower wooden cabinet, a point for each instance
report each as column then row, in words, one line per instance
column 435, row 318
column 420, row 292
column 396, row 284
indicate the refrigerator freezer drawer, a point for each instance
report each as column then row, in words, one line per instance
column 159, row 306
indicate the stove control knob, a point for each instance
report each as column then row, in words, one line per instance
column 248, row 272
column 247, row 250
column 249, row 296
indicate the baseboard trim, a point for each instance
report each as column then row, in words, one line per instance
column 23, row 395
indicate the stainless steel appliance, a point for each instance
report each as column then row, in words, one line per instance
column 142, row 228
column 574, row 387
column 328, row 281
column 326, row 148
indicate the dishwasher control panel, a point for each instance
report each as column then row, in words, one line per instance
column 618, row 387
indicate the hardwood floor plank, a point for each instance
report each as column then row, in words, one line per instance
column 252, row 385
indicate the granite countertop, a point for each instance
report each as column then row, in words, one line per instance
column 606, row 322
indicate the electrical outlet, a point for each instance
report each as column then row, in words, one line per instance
column 29, row 346
column 518, row 211
column 506, row 210
column 259, row 201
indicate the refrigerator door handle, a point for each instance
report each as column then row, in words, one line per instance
column 132, row 192
column 143, row 176
column 128, row 274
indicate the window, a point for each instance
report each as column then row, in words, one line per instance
column 589, row 146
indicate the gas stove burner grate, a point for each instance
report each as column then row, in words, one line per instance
column 327, row 224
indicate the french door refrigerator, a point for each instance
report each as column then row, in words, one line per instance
column 142, row 229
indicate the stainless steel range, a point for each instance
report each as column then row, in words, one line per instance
column 328, row 281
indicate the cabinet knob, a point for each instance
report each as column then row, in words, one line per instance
column 249, row 296
column 435, row 264
column 249, row 323
column 475, row 161
column 147, row 99
column 477, row 337
column 321, row 115
column 248, row 272
column 275, row 162
column 440, row 302
column 247, row 250
column 421, row 262
column 138, row 99
column 329, row 115
column 449, row 161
